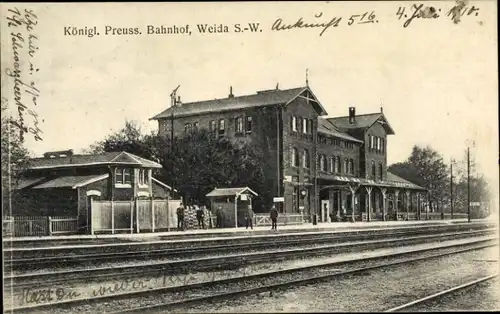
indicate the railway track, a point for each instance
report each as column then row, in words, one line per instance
column 218, row 262
column 170, row 298
column 440, row 294
column 66, row 256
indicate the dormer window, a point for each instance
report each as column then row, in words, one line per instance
column 122, row 177
column 304, row 126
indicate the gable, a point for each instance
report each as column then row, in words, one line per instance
column 308, row 96
column 382, row 121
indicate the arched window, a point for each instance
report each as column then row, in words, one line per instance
column 337, row 164
column 374, row 174
column 351, row 166
column 381, row 171
column 332, row 164
column 322, row 162
column 346, row 165
column 305, row 159
column 295, row 157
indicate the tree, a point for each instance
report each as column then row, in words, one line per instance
column 15, row 158
column 201, row 162
column 426, row 168
column 129, row 139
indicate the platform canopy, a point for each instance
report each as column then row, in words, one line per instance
column 230, row 192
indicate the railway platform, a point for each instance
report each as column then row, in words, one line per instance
column 235, row 232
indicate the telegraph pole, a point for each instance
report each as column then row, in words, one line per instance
column 451, row 187
column 173, row 104
column 468, row 185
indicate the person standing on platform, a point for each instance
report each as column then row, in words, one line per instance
column 200, row 216
column 274, row 218
column 218, row 215
column 249, row 217
column 180, row 217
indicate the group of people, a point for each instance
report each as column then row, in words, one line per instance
column 202, row 212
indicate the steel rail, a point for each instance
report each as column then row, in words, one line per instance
column 182, row 252
column 215, row 262
column 440, row 294
column 245, row 237
column 126, row 295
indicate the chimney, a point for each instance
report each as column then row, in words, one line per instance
column 352, row 115
column 381, row 109
column 179, row 102
column 231, row 92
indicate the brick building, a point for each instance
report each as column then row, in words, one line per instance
column 62, row 183
column 332, row 167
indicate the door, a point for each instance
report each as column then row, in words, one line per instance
column 325, row 209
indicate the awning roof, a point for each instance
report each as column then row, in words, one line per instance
column 230, row 192
column 392, row 182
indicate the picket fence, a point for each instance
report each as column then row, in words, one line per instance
column 22, row 226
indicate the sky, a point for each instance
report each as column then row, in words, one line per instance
column 437, row 80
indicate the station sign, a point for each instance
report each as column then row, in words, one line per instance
column 475, row 204
column 278, row 199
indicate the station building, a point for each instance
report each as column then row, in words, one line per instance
column 332, row 168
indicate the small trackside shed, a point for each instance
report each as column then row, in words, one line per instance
column 234, row 203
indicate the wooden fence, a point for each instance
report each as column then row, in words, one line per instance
column 23, row 226
column 133, row 216
column 283, row 219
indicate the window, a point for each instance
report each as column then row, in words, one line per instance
column 382, row 145
column 337, row 164
column 310, row 126
column 195, row 125
column 346, row 165
column 143, row 177
column 304, row 126
column 369, row 141
column 239, row 125
column 187, row 127
column 294, row 124
column 211, row 126
column 122, row 176
column 374, row 175
column 332, row 164
column 381, row 171
column 249, row 125
column 222, row 127
column 305, row 159
column 351, row 166
column 295, row 157
column 322, row 163
column 299, row 124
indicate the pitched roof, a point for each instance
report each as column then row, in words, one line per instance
column 391, row 177
column 70, row 181
column 89, row 160
column 230, row 192
column 361, row 121
column 326, row 127
column 261, row 98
